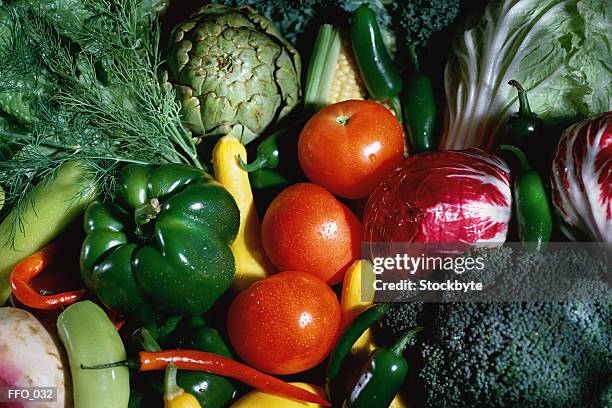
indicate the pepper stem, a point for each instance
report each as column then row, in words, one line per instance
column 518, row 153
column 396, row 105
column 124, row 363
column 260, row 162
column 146, row 340
column 147, row 212
column 171, row 388
column 524, row 108
column 414, row 58
column 398, row 348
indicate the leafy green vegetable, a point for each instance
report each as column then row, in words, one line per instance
column 102, row 102
column 560, row 51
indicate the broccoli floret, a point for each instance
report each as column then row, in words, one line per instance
column 291, row 17
column 419, row 19
column 537, row 354
column 294, row 17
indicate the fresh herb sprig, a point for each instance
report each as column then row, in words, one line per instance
column 105, row 105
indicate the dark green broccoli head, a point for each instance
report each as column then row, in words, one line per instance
column 528, row 355
column 295, row 17
column 419, row 19
column 509, row 354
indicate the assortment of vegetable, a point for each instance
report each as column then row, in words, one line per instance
column 142, row 141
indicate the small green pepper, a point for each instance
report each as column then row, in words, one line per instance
column 381, row 377
column 343, row 346
column 522, row 125
column 268, row 178
column 419, row 107
column 533, row 214
column 269, row 150
column 267, row 154
column 378, row 72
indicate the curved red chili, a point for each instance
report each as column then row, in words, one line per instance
column 27, row 269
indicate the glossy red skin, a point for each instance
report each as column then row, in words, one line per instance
column 307, row 229
column 284, row 324
column 351, row 159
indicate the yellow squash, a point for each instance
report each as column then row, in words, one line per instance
column 259, row 399
column 251, row 261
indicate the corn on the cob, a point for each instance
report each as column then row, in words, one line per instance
column 333, row 75
column 347, row 83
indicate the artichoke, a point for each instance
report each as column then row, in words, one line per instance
column 232, row 71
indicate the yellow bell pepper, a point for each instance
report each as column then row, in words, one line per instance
column 259, row 399
column 251, row 261
column 175, row 396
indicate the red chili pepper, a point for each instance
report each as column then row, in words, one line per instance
column 193, row 360
column 27, row 269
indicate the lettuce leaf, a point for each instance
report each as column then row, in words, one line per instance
column 559, row 50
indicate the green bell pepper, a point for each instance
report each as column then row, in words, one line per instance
column 163, row 247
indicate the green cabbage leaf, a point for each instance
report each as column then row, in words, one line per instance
column 559, row 50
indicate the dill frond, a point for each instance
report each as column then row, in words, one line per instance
column 103, row 102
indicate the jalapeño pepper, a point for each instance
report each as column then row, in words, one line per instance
column 343, row 346
column 267, row 154
column 381, row 77
column 419, row 106
column 381, row 377
column 533, row 214
column 522, row 125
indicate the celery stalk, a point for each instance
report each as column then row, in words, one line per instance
column 321, row 68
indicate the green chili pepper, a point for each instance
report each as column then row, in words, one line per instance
column 381, row 77
column 381, row 377
column 269, row 150
column 268, row 178
column 533, row 214
column 267, row 154
column 522, row 125
column 419, row 108
column 343, row 346
column 210, row 390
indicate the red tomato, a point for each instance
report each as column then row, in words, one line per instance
column 306, row 229
column 350, row 147
column 284, row 324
